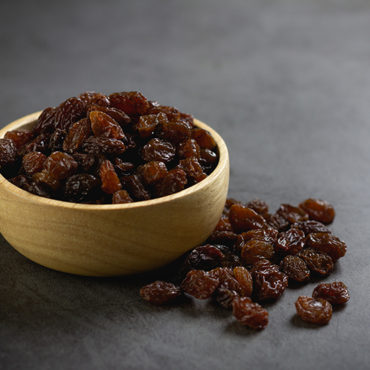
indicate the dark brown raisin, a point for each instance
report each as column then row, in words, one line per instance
column 70, row 111
column 92, row 97
column 253, row 250
column 278, row 222
column 268, row 235
column 228, row 238
column 158, row 150
column 199, row 284
column 33, row 162
column 207, row 157
column 103, row 145
column 104, row 125
column 259, row 206
column 132, row 103
column 292, row 214
column 244, row 278
column 203, row 138
column 223, row 224
column 60, row 165
column 120, row 197
column 119, row 116
column 311, row 226
column 160, row 292
column 335, row 293
column 290, row 242
column 193, row 169
column 319, row 263
column 205, row 257
column 109, row 179
column 86, row 162
column 327, row 243
column 296, row 268
column 8, row 153
column 188, row 148
column 173, row 182
column 316, row 311
column 46, row 121
column 152, row 172
column 243, row 218
column 80, row 187
column 174, row 131
column 19, row 137
column 147, row 124
column 123, row 168
column 77, row 134
column 56, row 140
column 135, row 187
column 45, row 179
column 39, row 144
column 249, row 313
column 319, row 210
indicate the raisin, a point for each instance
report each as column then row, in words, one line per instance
column 39, row 144
column 193, row 169
column 311, row 226
column 292, row 214
column 80, row 187
column 316, row 311
column 205, row 257
column 46, row 121
column 92, row 97
column 120, row 197
column 290, row 242
column 158, row 150
column 33, row 162
column 160, row 292
column 228, row 238
column 243, row 218
column 77, row 134
column 21, row 181
column 269, row 282
column 86, row 162
column 103, row 145
column 223, row 224
column 188, row 148
column 334, row 293
column 207, row 157
column 147, row 124
column 254, row 250
column 123, row 168
column 173, row 182
column 152, row 172
column 135, row 187
column 278, row 222
column 109, row 179
column 319, row 210
column 172, row 113
column 56, row 140
column 319, row 263
column 132, row 103
column 104, row 125
column 121, row 117
column 19, row 138
column 8, row 153
column 249, row 313
column 69, row 112
column 225, row 296
column 44, row 178
column 268, row 235
column 259, row 206
column 203, row 138
column 264, row 265
column 174, row 131
column 327, row 243
column 296, row 268
column 244, row 278
column 60, row 165
column 199, row 284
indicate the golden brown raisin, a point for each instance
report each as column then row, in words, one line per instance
column 33, row 162
column 120, row 197
column 335, row 293
column 60, row 165
column 327, row 243
column 104, row 125
column 290, row 242
column 244, row 278
column 109, row 180
column 188, row 148
column 158, row 150
column 203, row 138
column 76, row 135
column 46, row 179
column 173, row 182
column 249, row 313
column 92, row 97
column 243, row 218
column 316, row 311
column 160, row 292
column 296, row 268
column 193, row 169
column 147, row 124
column 199, row 284
column 19, row 137
column 319, row 263
column 319, row 210
column 132, row 102
column 121, row 117
column 152, row 171
column 292, row 214
column 259, row 206
column 253, row 250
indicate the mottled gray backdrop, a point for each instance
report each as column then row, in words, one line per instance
column 285, row 82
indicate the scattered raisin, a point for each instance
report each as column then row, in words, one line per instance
column 259, row 206
column 319, row 263
column 199, row 284
column 327, row 243
column 316, row 311
column 160, row 292
column 205, row 257
column 296, row 268
column 249, row 313
column 319, row 210
column 335, row 293
column 243, row 218
column 311, row 226
column 244, row 278
column 254, row 250
column 292, row 214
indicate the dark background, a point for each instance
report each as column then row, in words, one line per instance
column 285, row 82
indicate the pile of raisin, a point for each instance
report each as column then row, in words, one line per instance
column 252, row 256
column 108, row 149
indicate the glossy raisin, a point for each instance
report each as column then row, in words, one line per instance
column 119, row 116
column 249, row 313
column 70, row 111
column 193, row 169
column 278, row 222
column 203, row 138
column 243, row 218
column 19, row 137
column 132, row 103
column 319, row 263
column 207, row 157
column 45, row 179
column 76, row 135
column 205, row 257
column 199, row 284
column 290, row 242
column 335, row 293
column 46, row 121
column 173, row 182
column 103, row 145
column 121, row 196
column 259, row 206
column 316, row 311
column 160, row 292
column 134, row 185
column 158, row 150
column 292, row 214
column 268, row 235
column 60, row 165
column 188, row 148
column 92, row 97
column 81, row 187
column 244, row 278
column 327, row 243
column 253, row 250
column 319, row 210
column 295, row 268
column 33, row 162
column 152, row 172
column 311, row 226
column 109, row 180
column 104, row 125
column 147, row 124
column 174, row 131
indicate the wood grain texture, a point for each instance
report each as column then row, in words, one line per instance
column 108, row 240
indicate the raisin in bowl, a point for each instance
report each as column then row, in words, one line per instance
column 112, row 239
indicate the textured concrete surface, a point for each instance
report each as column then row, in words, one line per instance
column 285, row 82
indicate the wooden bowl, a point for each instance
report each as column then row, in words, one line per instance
column 108, row 240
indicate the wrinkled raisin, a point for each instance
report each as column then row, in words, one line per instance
column 160, row 292
column 319, row 263
column 316, row 311
column 205, row 257
column 8, row 153
column 243, row 218
column 103, row 145
column 132, row 102
column 203, row 138
column 147, row 124
column 259, row 206
column 69, row 112
column 278, row 222
column 292, row 214
column 46, row 179
column 33, row 162
column 296, row 268
column 244, row 278
column 56, row 140
column 158, row 150
column 318, row 210
column 121, row 117
column 109, row 179
column 19, row 137
column 311, row 226
column 153, row 171
column 193, row 169
column 46, row 121
column 335, row 293
column 174, row 131
column 290, row 242
column 80, row 187
column 60, row 165
column 199, row 284
column 86, row 162
column 39, row 144
column 189, row 148
column 76, row 135
column 92, row 97
column 104, row 125
column 254, row 250
column 173, row 182
column 120, row 197
column 327, row 243
column 249, row 313
column 228, row 238
column 135, row 187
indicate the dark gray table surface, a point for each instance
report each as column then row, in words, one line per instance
column 286, row 83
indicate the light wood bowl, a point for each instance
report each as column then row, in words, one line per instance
column 108, row 240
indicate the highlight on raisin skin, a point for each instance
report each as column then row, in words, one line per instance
column 155, row 150
column 335, row 292
column 250, row 314
column 316, row 311
column 160, row 292
column 319, row 210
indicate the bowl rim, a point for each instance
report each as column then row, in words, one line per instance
column 31, row 118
